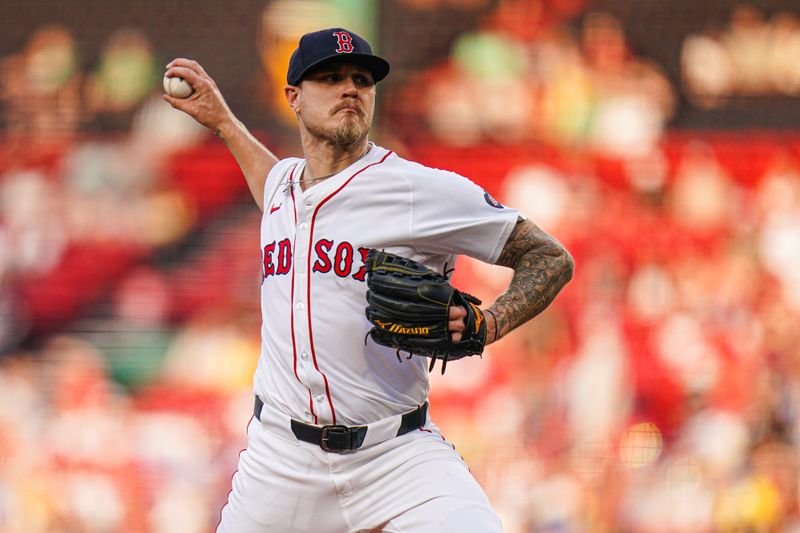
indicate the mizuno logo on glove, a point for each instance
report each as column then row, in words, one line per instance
column 402, row 330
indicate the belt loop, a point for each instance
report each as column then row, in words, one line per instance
column 413, row 420
column 259, row 405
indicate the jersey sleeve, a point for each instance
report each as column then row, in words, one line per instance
column 453, row 215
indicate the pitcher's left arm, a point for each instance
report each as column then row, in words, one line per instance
column 542, row 266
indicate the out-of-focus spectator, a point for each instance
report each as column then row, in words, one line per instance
column 633, row 98
column 752, row 56
column 596, row 384
column 782, row 49
column 34, row 232
column 126, row 73
column 488, row 72
column 540, row 192
column 522, row 78
column 136, row 336
column 109, row 196
column 40, row 87
column 702, row 196
column 779, row 238
column 748, row 40
column 211, row 353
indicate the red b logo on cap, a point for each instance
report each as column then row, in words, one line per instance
column 345, row 42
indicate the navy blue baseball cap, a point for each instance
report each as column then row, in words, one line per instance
column 334, row 44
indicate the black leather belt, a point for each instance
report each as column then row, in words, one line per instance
column 338, row 438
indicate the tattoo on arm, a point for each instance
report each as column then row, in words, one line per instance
column 541, row 268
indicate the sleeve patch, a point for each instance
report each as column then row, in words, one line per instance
column 491, row 201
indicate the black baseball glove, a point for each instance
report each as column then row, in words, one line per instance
column 409, row 307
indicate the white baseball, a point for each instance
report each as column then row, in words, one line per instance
column 177, row 87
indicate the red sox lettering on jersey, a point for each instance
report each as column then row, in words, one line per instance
column 314, row 364
column 343, row 259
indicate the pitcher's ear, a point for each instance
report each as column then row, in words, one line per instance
column 292, row 94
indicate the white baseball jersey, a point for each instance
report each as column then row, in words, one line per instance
column 317, row 364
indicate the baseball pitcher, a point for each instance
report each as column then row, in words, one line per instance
column 356, row 244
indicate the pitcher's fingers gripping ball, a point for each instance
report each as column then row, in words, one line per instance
column 409, row 307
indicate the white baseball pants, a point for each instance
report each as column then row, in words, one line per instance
column 415, row 483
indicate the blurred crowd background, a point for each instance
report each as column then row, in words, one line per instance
column 658, row 140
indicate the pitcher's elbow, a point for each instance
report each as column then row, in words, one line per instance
column 569, row 265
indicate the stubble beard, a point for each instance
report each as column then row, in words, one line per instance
column 349, row 133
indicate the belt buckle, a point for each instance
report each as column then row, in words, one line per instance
column 336, row 430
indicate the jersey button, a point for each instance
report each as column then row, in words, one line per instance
column 299, row 305
column 303, row 226
column 304, row 356
column 320, row 398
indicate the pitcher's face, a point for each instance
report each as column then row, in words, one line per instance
column 335, row 103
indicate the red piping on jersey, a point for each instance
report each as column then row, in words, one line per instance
column 291, row 307
column 308, row 305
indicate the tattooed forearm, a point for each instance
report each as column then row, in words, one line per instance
column 541, row 268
